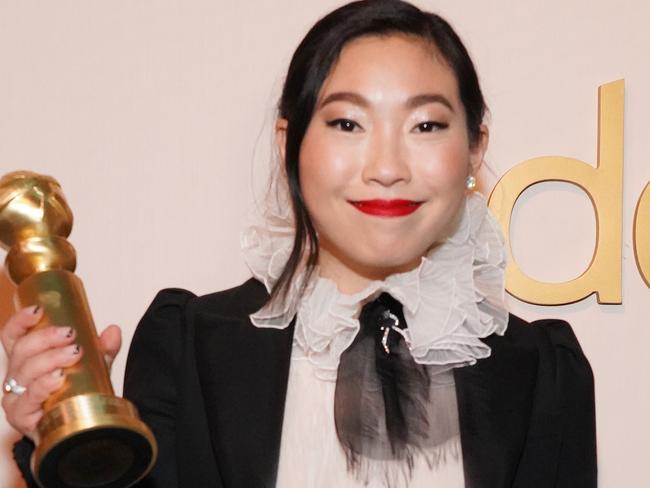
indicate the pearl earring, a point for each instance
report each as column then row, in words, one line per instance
column 470, row 183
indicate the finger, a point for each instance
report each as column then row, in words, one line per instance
column 18, row 407
column 46, row 362
column 38, row 391
column 25, row 423
column 15, row 409
column 37, row 342
column 31, row 421
column 111, row 342
column 18, row 325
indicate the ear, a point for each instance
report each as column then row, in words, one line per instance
column 281, row 138
column 477, row 151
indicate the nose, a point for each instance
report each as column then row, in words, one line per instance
column 386, row 163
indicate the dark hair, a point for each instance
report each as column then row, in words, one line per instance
column 312, row 62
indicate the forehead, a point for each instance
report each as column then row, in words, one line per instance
column 396, row 64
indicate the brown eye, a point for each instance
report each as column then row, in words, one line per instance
column 345, row 125
column 430, row 126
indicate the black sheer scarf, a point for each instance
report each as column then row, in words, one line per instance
column 388, row 409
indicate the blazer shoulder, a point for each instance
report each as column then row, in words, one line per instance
column 563, row 370
column 551, row 334
column 241, row 300
column 169, row 320
column 250, row 295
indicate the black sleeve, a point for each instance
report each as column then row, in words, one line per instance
column 577, row 463
column 23, row 450
column 150, row 378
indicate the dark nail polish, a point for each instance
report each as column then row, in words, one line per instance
column 70, row 332
column 38, row 307
column 76, row 349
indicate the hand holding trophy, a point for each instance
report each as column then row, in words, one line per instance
column 87, row 437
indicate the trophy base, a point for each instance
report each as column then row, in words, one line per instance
column 92, row 441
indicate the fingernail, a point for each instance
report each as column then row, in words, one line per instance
column 65, row 331
column 57, row 373
column 73, row 349
column 36, row 309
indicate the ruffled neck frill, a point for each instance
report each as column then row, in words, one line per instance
column 450, row 301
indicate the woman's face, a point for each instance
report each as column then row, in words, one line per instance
column 385, row 158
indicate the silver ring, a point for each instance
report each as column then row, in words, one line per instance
column 12, row 386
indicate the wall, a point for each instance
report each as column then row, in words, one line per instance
column 154, row 116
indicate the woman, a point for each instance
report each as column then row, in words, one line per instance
column 371, row 348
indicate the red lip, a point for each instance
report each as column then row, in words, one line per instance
column 387, row 208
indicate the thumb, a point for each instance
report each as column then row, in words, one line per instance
column 111, row 341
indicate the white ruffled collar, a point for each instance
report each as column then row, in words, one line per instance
column 450, row 301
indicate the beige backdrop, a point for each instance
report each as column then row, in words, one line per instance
column 152, row 114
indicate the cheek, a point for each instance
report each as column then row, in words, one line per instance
column 326, row 165
column 446, row 166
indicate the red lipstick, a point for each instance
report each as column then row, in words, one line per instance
column 387, row 208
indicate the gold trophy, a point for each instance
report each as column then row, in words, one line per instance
column 87, row 436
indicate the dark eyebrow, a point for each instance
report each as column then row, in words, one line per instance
column 411, row 103
column 418, row 100
column 345, row 97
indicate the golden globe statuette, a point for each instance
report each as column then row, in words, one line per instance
column 87, row 436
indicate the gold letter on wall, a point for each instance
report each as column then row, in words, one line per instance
column 603, row 185
column 642, row 234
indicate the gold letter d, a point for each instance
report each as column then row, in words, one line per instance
column 604, row 186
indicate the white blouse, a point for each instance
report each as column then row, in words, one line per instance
column 311, row 455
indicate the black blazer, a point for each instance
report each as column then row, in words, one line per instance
column 212, row 387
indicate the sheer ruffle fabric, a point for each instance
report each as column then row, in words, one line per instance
column 451, row 300
column 394, row 412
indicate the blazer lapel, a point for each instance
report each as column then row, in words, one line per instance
column 494, row 404
column 243, row 371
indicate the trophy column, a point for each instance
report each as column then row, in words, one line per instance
column 87, row 437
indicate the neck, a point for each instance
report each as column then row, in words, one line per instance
column 351, row 278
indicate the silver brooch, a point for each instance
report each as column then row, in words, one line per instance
column 388, row 315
